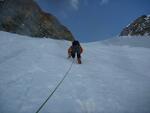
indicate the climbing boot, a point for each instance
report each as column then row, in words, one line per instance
column 79, row 61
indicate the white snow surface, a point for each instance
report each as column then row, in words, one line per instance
column 113, row 78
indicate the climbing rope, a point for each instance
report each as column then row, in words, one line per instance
column 65, row 75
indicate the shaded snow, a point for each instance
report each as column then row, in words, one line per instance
column 114, row 76
column 131, row 41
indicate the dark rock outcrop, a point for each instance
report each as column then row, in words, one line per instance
column 141, row 26
column 25, row 17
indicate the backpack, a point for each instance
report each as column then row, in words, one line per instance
column 75, row 43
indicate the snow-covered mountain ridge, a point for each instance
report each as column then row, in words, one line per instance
column 114, row 78
column 140, row 26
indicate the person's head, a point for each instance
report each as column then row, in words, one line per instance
column 75, row 42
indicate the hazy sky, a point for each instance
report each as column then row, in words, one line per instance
column 92, row 20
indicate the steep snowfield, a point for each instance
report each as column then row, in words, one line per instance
column 114, row 77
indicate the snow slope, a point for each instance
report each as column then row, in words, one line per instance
column 114, row 78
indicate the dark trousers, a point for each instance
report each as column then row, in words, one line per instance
column 74, row 54
column 76, row 51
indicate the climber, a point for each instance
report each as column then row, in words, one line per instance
column 75, row 49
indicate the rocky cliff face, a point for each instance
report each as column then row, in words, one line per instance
column 25, row 17
column 141, row 26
